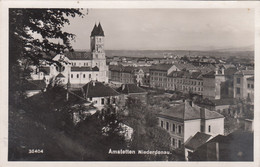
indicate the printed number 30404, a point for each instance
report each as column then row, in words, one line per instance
column 35, row 151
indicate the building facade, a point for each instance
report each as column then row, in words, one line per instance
column 244, row 84
column 78, row 68
column 183, row 121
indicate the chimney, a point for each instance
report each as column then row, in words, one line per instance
column 202, row 112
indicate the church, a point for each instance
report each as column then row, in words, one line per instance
column 78, row 67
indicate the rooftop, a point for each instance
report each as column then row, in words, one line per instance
column 130, row 88
column 185, row 112
column 34, row 85
column 78, row 55
column 81, row 69
column 197, row 140
column 161, row 67
column 98, row 89
column 245, row 72
column 97, row 31
column 45, row 70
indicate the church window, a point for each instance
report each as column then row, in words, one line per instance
column 84, row 75
column 102, row 101
column 77, row 75
column 89, row 76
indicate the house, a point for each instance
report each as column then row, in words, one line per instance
column 33, row 87
column 196, row 141
column 183, row 121
column 100, row 94
column 133, row 91
column 237, row 146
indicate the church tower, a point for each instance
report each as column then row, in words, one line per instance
column 97, row 51
column 97, row 40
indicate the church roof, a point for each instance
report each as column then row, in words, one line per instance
column 98, row 89
column 97, row 31
column 78, row 55
column 81, row 69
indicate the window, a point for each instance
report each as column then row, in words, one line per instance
column 238, row 90
column 90, row 98
column 248, row 85
column 102, row 101
column 173, row 128
column 114, row 100
column 84, row 75
column 179, row 144
column 77, row 75
column 167, row 125
column 89, row 76
column 179, row 129
column 252, row 86
column 209, row 128
column 173, row 142
column 162, row 124
column 71, row 75
column 238, row 80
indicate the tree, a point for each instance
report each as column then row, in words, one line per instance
column 31, row 32
column 147, row 135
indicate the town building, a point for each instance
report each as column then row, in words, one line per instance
column 183, row 121
column 33, row 87
column 133, row 91
column 244, row 84
column 100, row 94
column 196, row 141
column 78, row 67
column 176, row 77
column 122, row 74
column 237, row 146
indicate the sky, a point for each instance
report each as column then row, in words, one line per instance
column 166, row 29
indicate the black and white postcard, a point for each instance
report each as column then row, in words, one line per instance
column 122, row 82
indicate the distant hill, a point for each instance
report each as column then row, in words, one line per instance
column 162, row 53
